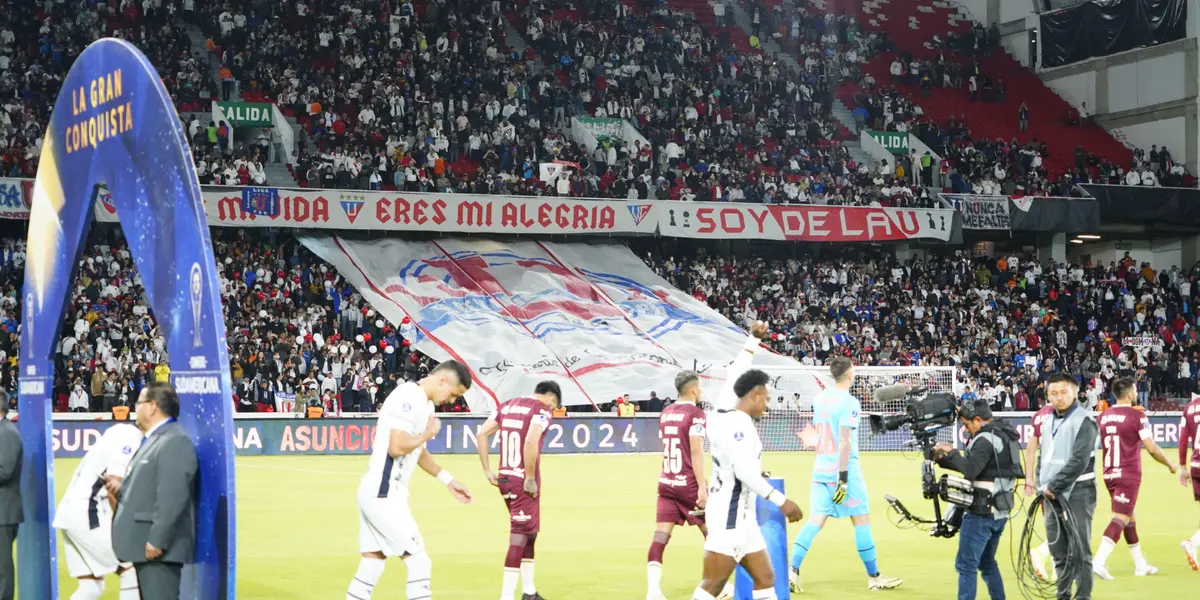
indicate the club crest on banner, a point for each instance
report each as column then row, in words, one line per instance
column 106, row 201
column 639, row 212
column 352, row 205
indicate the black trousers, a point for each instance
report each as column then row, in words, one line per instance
column 1082, row 503
column 159, row 580
column 8, row 578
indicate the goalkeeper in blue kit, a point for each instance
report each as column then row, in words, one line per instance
column 838, row 488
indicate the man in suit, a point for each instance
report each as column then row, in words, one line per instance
column 155, row 524
column 10, row 496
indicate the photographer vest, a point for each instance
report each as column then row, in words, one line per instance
column 999, row 478
column 1058, row 441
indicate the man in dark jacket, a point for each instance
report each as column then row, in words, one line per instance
column 992, row 463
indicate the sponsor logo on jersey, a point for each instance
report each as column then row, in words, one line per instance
column 738, row 436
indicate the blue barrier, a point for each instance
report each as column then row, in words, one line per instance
column 774, row 530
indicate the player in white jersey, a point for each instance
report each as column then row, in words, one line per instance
column 734, row 536
column 386, row 526
column 85, row 515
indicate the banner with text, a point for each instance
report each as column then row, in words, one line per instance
column 575, row 434
column 594, row 318
column 810, row 223
column 981, row 212
column 15, row 198
column 895, row 142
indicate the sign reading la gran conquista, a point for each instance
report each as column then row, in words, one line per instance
column 247, row 114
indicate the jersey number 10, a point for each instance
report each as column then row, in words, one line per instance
column 510, row 449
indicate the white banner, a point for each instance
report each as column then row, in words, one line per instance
column 592, row 317
column 15, row 198
column 804, row 222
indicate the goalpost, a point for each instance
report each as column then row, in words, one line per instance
column 793, row 389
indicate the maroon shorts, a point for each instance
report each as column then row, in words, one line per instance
column 672, row 509
column 1196, row 483
column 1124, row 494
column 524, row 513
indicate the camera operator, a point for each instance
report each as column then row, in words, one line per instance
column 992, row 463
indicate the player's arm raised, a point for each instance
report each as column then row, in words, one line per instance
column 741, row 364
column 401, row 443
column 747, row 468
column 456, row 487
column 533, row 447
column 482, row 438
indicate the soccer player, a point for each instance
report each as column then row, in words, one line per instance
column 522, row 423
column 734, row 536
column 386, row 527
column 682, row 487
column 1189, row 437
column 1041, row 554
column 839, row 489
column 85, row 515
column 1124, row 429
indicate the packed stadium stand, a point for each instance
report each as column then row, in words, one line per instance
column 471, row 96
column 298, row 330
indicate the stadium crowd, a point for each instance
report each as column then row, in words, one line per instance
column 1007, row 324
column 300, row 335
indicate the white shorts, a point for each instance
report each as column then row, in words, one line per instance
column 386, row 525
column 89, row 552
column 745, row 539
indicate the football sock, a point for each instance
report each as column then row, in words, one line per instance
column 866, row 548
column 527, row 585
column 1106, row 547
column 1139, row 560
column 369, row 572
column 767, row 594
column 509, row 588
column 654, row 560
column 803, row 541
column 1196, row 539
column 89, row 589
column 1131, row 536
column 700, row 594
column 1113, row 531
column 420, row 569
column 129, row 585
column 1043, row 550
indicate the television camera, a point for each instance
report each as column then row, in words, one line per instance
column 925, row 414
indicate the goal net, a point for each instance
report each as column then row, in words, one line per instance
column 793, row 389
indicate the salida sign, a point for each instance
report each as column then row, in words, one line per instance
column 806, row 223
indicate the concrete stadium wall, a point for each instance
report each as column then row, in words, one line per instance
column 1145, row 97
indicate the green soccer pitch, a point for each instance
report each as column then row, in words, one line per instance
column 298, row 532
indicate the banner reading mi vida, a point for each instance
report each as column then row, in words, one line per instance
column 470, row 213
column 893, row 141
column 247, row 114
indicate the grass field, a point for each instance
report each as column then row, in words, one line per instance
column 298, row 532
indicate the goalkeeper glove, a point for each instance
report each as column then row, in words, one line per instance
column 839, row 494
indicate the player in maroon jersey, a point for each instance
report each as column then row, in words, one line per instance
column 1124, row 429
column 1189, row 438
column 682, row 485
column 1041, row 554
column 522, row 424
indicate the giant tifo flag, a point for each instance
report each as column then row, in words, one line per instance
column 594, row 318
